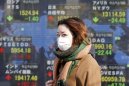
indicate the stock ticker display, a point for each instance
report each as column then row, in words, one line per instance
column 28, row 36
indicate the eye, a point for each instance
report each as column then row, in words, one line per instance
column 63, row 35
column 57, row 35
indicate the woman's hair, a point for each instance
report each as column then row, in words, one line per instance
column 77, row 28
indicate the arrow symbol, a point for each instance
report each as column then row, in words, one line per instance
column 95, row 19
column 8, row 77
column 9, row 18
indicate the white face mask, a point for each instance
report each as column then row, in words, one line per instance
column 64, row 43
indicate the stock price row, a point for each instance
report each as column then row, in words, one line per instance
column 26, row 77
column 103, row 46
column 103, row 52
column 20, row 50
column 117, row 84
column 113, row 79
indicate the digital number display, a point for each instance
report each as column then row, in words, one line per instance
column 26, row 77
column 114, row 75
column 103, row 46
column 58, row 12
column 117, row 84
column 19, row 45
column 103, row 52
column 113, row 79
column 109, row 11
column 23, row 11
column 28, row 32
column 20, row 50
column 103, row 43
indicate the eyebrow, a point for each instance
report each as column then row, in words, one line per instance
column 61, row 32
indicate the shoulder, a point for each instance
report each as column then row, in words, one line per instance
column 88, row 69
column 88, row 63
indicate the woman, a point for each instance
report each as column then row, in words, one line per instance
column 74, row 65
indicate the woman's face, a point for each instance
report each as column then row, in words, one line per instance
column 64, row 38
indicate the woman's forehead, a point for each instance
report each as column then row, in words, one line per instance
column 63, row 29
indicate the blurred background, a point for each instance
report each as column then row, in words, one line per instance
column 28, row 37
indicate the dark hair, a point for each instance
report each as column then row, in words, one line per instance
column 77, row 28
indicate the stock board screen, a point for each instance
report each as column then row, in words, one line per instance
column 28, row 36
column 22, row 10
